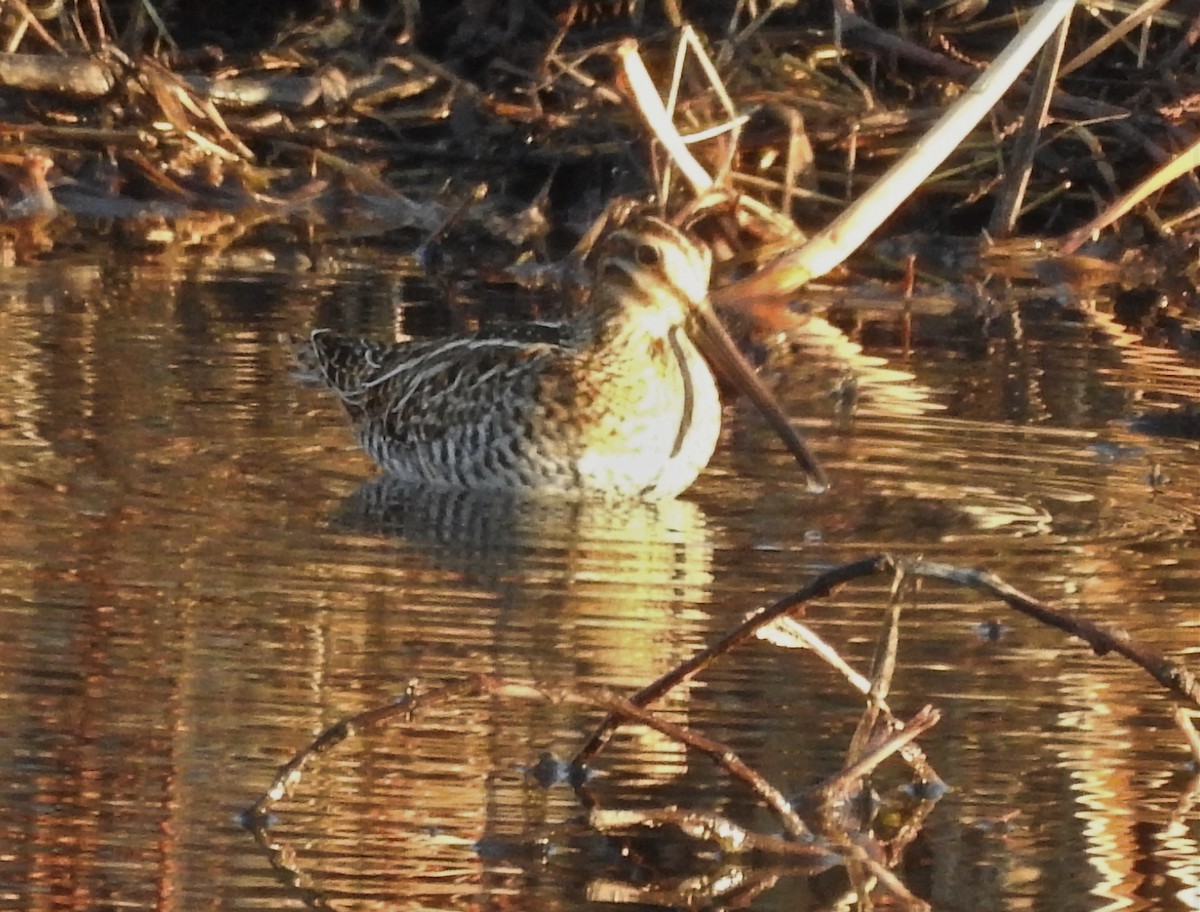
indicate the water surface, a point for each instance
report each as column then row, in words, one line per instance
column 198, row 575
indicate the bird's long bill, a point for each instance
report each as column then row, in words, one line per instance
column 723, row 354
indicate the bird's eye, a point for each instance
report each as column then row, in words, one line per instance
column 647, row 255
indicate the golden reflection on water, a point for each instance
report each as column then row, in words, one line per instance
column 561, row 594
column 195, row 579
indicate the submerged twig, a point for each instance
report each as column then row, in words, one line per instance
column 731, row 838
column 866, row 857
column 731, row 886
column 823, row 585
column 723, row 757
column 289, row 774
column 1179, row 681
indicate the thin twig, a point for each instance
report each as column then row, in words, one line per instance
column 408, row 702
column 724, row 758
column 794, row 602
column 883, row 667
column 1174, row 677
column 843, row 782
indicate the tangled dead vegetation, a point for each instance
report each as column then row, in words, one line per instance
column 829, row 826
column 195, row 127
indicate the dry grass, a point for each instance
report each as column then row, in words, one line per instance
column 778, row 116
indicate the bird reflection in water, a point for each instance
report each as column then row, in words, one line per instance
column 591, row 592
column 493, row 536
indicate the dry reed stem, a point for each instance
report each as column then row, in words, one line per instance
column 656, row 116
column 1091, row 109
column 789, row 633
column 1012, row 191
column 849, row 230
column 1113, row 35
column 1183, row 163
column 28, row 19
column 651, row 107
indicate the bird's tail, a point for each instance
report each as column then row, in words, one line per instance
column 310, row 363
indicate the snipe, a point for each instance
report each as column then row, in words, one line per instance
column 625, row 405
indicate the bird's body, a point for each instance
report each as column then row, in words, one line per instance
column 624, row 406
